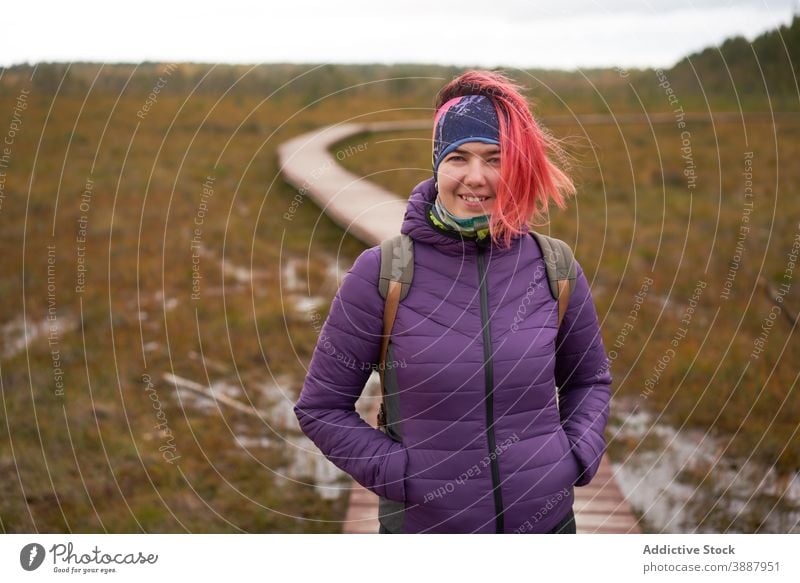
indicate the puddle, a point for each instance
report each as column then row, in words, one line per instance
column 680, row 482
column 241, row 274
column 276, row 398
column 18, row 337
column 308, row 304
column 295, row 289
column 307, row 462
column 290, row 283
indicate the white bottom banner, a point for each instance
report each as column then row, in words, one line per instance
column 400, row 558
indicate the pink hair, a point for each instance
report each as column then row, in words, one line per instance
column 529, row 181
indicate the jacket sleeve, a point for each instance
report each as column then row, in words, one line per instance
column 583, row 376
column 348, row 344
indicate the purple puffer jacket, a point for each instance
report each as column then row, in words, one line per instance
column 476, row 356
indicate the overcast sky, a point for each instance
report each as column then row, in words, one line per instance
column 564, row 34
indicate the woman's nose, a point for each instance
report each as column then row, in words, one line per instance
column 475, row 173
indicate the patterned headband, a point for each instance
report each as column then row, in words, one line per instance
column 468, row 118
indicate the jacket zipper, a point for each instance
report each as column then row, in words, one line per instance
column 489, row 380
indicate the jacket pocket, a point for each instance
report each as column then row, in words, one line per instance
column 416, row 489
column 396, row 470
column 570, row 460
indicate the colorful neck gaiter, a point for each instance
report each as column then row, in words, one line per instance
column 470, row 227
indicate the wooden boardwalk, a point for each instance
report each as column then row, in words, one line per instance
column 372, row 214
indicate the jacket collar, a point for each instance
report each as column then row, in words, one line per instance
column 417, row 225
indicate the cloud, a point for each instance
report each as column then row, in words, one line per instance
column 566, row 34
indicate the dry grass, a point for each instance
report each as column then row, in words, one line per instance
column 88, row 461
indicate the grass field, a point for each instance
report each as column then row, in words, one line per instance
column 111, row 202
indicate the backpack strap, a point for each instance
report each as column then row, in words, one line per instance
column 561, row 272
column 397, row 271
column 397, row 264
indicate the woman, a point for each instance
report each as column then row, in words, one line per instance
column 480, row 441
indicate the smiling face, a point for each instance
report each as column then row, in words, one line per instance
column 468, row 178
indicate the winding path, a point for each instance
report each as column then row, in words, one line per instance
column 373, row 214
